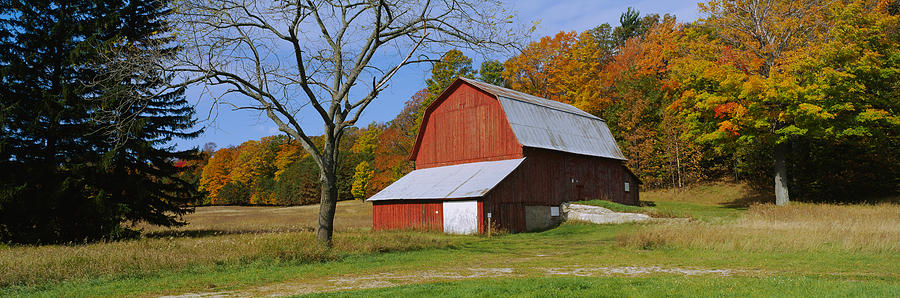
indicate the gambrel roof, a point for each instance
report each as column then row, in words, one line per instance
column 543, row 123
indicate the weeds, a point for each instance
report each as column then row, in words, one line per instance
column 216, row 236
column 798, row 227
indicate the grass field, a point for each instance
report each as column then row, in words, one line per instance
column 727, row 249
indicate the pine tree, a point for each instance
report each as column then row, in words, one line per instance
column 85, row 139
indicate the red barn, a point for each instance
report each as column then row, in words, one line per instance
column 486, row 153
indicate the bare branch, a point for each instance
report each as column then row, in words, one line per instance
column 243, row 46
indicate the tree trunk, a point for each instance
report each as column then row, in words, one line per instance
column 678, row 165
column 781, row 188
column 327, row 201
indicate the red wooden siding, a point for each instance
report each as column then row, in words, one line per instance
column 465, row 125
column 419, row 214
column 549, row 178
column 481, row 217
column 507, row 216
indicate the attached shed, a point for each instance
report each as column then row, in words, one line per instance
column 489, row 153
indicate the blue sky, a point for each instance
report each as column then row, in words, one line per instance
column 226, row 127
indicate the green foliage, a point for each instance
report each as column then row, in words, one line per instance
column 86, row 141
column 629, row 25
column 453, row 64
column 698, row 101
column 491, row 72
column 827, row 103
column 299, row 185
column 234, row 193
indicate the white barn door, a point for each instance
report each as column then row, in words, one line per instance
column 460, row 217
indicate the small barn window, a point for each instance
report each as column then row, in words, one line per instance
column 627, row 186
column 554, row 211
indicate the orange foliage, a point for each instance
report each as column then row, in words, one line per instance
column 731, row 109
column 395, row 145
column 216, row 172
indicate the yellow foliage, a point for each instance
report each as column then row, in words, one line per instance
column 362, row 176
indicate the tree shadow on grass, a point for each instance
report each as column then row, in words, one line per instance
column 751, row 196
column 200, row 233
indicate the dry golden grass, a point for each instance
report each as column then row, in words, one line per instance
column 215, row 236
column 25, row 265
column 798, row 227
column 716, row 193
column 350, row 215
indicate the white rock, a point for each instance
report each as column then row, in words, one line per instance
column 600, row 215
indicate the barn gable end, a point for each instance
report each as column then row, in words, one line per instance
column 464, row 125
column 487, row 155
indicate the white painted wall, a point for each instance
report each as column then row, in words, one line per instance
column 460, row 217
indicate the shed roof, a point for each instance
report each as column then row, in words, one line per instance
column 468, row 180
column 548, row 124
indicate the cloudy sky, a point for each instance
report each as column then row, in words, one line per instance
column 226, row 127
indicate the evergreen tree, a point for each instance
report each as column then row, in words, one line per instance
column 453, row 64
column 85, row 136
column 492, row 73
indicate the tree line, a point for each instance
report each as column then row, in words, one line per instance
column 815, row 102
column 276, row 171
column 797, row 97
column 93, row 99
column 802, row 93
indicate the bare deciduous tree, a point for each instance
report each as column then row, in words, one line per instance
column 332, row 56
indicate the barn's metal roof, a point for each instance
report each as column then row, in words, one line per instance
column 525, row 97
column 548, row 124
column 468, row 180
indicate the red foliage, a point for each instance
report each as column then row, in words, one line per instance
column 727, row 109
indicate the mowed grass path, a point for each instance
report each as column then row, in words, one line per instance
column 726, row 250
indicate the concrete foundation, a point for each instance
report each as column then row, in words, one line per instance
column 539, row 218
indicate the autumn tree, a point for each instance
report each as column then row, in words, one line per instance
column 341, row 55
column 193, row 170
column 276, row 171
column 395, row 145
column 638, row 114
column 843, row 108
column 767, row 30
column 565, row 67
column 364, row 151
column 535, row 70
column 568, row 67
column 216, row 174
column 361, row 177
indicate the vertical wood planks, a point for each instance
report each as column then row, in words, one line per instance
column 418, row 214
column 468, row 126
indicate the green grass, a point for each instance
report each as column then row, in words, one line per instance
column 656, row 286
column 527, row 255
column 666, row 207
column 527, row 262
column 612, row 206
